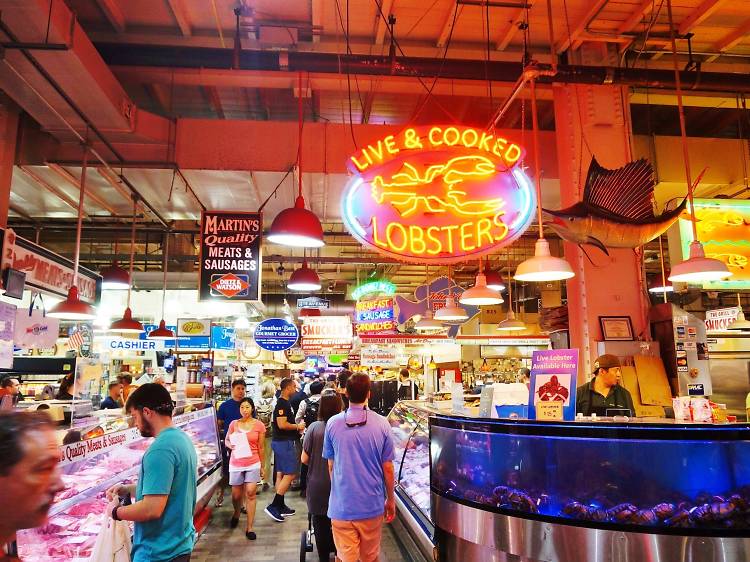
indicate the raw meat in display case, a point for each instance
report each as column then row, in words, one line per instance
column 90, row 467
column 411, row 442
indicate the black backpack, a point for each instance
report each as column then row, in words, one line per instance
column 311, row 410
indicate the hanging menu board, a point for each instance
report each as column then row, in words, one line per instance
column 230, row 258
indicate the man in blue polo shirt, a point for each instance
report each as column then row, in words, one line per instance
column 359, row 448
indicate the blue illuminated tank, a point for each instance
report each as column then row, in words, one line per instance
column 637, row 476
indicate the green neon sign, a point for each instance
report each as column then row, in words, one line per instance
column 374, row 288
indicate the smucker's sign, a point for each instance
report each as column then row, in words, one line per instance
column 230, row 262
column 441, row 194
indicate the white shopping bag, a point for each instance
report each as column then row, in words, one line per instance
column 113, row 543
column 33, row 328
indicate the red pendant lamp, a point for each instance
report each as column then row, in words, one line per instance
column 114, row 276
column 494, row 279
column 162, row 332
column 73, row 308
column 297, row 226
column 304, row 279
column 126, row 324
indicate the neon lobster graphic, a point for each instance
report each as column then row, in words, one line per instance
column 436, row 190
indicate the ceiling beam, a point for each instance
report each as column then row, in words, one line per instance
column 215, row 100
column 445, row 31
column 262, row 80
column 72, row 180
column 697, row 16
column 367, row 107
column 160, row 97
column 21, row 213
column 256, row 188
column 381, row 26
column 510, row 33
column 116, row 183
column 317, row 18
column 568, row 40
column 113, row 14
column 44, row 184
column 733, row 38
column 178, row 11
column 636, row 17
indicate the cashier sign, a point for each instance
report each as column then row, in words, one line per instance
column 440, row 194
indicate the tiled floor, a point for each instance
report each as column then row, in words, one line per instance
column 277, row 542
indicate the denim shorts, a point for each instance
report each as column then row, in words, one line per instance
column 285, row 456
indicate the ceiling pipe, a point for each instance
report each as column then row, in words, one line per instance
column 332, row 63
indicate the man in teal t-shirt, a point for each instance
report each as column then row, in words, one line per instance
column 166, row 490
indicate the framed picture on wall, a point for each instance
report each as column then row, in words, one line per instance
column 616, row 328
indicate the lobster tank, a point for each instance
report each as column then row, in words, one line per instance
column 589, row 491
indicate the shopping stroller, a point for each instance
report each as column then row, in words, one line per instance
column 306, row 543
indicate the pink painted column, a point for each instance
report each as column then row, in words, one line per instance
column 8, row 136
column 596, row 119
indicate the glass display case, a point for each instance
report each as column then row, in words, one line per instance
column 671, row 478
column 411, row 440
column 92, row 465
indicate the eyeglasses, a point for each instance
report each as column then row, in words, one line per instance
column 358, row 424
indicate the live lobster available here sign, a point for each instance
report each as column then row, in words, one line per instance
column 230, row 262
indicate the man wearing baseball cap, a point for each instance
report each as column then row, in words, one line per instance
column 603, row 394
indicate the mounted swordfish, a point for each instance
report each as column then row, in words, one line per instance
column 617, row 210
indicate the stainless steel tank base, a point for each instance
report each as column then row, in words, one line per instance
column 465, row 533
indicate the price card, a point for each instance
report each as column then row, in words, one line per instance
column 485, row 402
column 549, row 410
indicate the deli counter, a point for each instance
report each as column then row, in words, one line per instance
column 92, row 460
column 579, row 491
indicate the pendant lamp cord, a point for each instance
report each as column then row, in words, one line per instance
column 79, row 224
column 663, row 272
column 537, row 172
column 427, row 283
column 132, row 248
column 165, row 267
column 681, row 111
column 510, row 284
column 301, row 115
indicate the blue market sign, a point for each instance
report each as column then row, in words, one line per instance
column 276, row 334
column 313, row 302
column 223, row 337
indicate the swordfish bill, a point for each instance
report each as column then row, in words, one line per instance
column 617, row 210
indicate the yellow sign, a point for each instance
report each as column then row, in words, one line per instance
column 193, row 327
column 491, row 314
column 552, row 410
column 723, row 227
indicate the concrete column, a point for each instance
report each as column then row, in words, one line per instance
column 595, row 119
column 8, row 135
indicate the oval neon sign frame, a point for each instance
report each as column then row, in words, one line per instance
column 440, row 194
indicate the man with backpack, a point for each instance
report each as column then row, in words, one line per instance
column 308, row 412
column 308, row 408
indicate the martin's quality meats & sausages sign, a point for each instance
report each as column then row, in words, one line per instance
column 230, row 262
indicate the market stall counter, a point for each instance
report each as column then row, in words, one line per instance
column 112, row 453
column 589, row 491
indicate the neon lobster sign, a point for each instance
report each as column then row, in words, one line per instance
column 438, row 194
